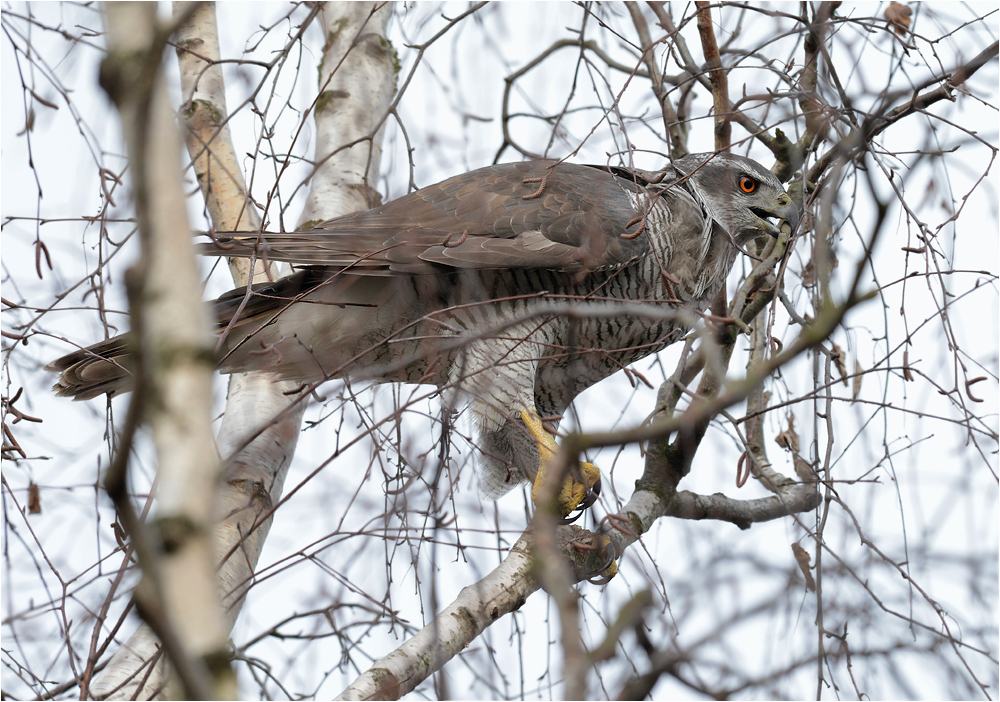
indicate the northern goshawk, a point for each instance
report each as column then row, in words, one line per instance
column 516, row 285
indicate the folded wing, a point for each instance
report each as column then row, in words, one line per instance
column 537, row 214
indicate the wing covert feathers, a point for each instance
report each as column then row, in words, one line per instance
column 563, row 217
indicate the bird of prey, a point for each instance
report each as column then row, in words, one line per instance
column 516, row 286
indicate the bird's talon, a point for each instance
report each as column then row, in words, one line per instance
column 595, row 555
column 610, row 567
column 570, row 518
column 589, row 498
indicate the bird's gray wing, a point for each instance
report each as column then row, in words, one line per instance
column 536, row 214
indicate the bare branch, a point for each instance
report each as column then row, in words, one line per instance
column 181, row 601
column 717, row 74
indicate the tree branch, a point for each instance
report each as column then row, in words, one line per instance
column 718, row 76
column 676, row 130
column 255, row 471
column 858, row 139
column 178, row 596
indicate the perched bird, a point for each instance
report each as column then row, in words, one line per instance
column 518, row 286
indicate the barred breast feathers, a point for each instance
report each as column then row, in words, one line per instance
column 671, row 214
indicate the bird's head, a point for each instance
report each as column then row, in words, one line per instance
column 739, row 193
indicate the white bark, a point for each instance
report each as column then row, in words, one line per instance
column 509, row 585
column 357, row 82
column 176, row 349
column 255, row 474
column 477, row 606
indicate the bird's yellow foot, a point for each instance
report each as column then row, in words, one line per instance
column 582, row 484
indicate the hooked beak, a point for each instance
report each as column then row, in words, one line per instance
column 784, row 209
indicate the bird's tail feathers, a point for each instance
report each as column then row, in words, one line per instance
column 107, row 367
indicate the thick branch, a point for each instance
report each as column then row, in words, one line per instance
column 812, row 106
column 676, row 130
column 717, row 74
column 794, row 498
column 178, row 595
column 477, row 606
column 357, row 82
column 255, row 471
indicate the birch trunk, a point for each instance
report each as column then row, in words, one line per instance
column 357, row 84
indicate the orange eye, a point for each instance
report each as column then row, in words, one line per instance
column 748, row 184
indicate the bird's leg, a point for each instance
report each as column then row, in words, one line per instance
column 579, row 488
column 595, row 560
